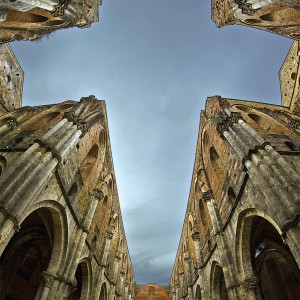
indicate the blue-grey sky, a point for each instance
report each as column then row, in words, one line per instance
column 154, row 62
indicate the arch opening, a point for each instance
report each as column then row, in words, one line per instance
column 80, row 282
column 202, row 213
column 198, row 293
column 89, row 162
column 27, row 256
column 273, row 263
column 262, row 254
column 103, row 293
column 3, row 164
column 219, row 291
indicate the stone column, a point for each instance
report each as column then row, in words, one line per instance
column 225, row 255
column 115, row 276
column 248, row 289
column 121, row 283
column 116, row 266
column 45, row 286
column 268, row 169
column 126, row 291
column 181, row 284
column 177, row 291
column 196, row 239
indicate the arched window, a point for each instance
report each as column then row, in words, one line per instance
column 273, row 262
column 3, row 164
column 24, row 17
column 27, row 256
column 262, row 122
column 202, row 213
column 80, row 288
column 89, row 162
column 231, row 195
column 198, row 293
column 217, row 164
column 206, row 142
column 44, row 120
column 218, row 284
column 292, row 146
column 103, row 293
column 73, row 190
column 102, row 140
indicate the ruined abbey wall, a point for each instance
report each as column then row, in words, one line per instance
column 31, row 20
column 61, row 232
column 241, row 223
column 241, row 229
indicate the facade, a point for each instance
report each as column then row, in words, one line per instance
column 61, row 229
column 241, row 232
column 240, row 237
column 278, row 16
column 32, row 19
column 290, row 79
column 11, row 80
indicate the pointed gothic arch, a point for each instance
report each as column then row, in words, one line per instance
column 34, row 249
column 103, row 292
column 198, row 293
column 82, row 281
column 262, row 254
column 217, row 282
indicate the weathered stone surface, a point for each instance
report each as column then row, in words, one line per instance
column 11, row 80
column 58, row 189
column 243, row 199
column 289, row 75
column 31, row 20
column 281, row 17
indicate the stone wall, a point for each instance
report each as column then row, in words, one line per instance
column 61, row 229
column 11, row 80
column 277, row 16
column 31, row 20
column 243, row 208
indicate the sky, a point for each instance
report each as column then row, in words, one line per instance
column 155, row 63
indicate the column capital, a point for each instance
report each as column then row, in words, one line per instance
column 294, row 124
column 48, row 279
column 196, row 236
column 228, row 122
column 97, row 194
column 109, row 235
column 11, row 123
column 207, row 196
column 117, row 257
column 250, row 283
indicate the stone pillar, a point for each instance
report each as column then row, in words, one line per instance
column 126, row 291
column 115, row 277
column 267, row 169
column 45, row 286
column 189, row 276
column 224, row 252
column 177, row 291
column 196, row 239
column 96, row 196
column 116, row 266
column 121, row 283
column 181, row 284
column 248, row 289
column 108, row 239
